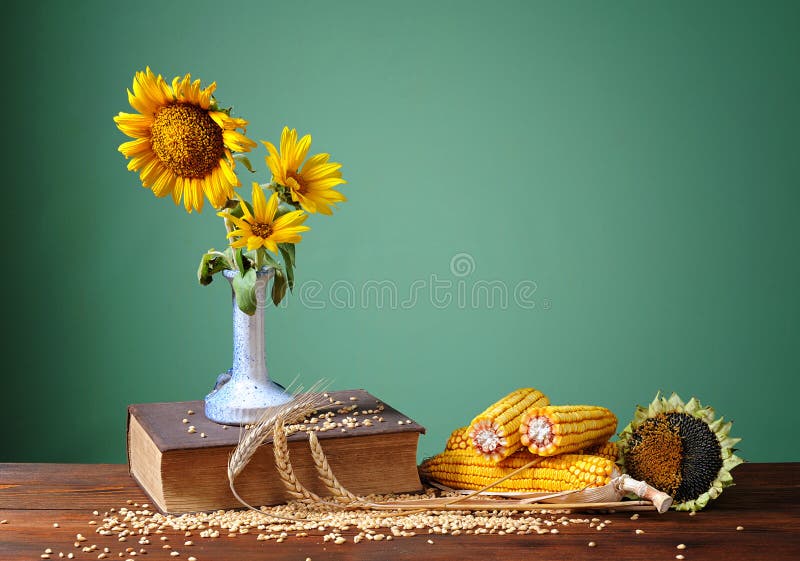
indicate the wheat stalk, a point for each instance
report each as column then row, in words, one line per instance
column 406, row 508
column 284, row 465
column 295, row 410
column 325, row 472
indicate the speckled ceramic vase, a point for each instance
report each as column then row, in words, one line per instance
column 242, row 393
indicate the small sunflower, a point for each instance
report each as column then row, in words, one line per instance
column 183, row 145
column 260, row 228
column 312, row 186
column 680, row 449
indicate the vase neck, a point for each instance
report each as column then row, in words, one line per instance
column 249, row 349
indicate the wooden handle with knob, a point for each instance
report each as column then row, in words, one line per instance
column 660, row 500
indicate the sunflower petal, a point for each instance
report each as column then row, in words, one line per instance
column 177, row 190
column 319, row 171
column 134, row 125
column 272, row 209
column 163, row 184
column 259, row 203
column 135, row 147
column 271, row 245
column 228, row 175
column 290, row 219
column 254, row 242
column 237, row 141
column 300, row 152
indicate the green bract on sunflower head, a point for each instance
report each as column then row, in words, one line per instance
column 681, row 449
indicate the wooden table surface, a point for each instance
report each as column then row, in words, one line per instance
column 765, row 502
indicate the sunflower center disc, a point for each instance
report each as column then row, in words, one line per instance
column 656, row 454
column 261, row 230
column 187, row 140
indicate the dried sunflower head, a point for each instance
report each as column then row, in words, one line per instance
column 680, row 449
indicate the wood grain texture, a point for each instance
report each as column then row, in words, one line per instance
column 765, row 501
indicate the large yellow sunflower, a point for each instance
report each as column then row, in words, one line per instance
column 261, row 229
column 182, row 145
column 312, row 186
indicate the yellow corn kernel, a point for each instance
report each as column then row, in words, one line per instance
column 494, row 433
column 459, row 439
column 463, row 469
column 460, row 469
column 561, row 429
column 608, row 450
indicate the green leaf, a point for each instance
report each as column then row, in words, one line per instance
column 264, row 259
column 245, row 161
column 211, row 263
column 237, row 210
column 241, row 262
column 244, row 286
column 230, row 256
column 278, row 287
column 284, row 207
column 290, row 278
column 287, row 252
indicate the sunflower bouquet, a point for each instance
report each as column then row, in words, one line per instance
column 186, row 145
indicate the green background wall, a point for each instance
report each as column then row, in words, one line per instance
column 637, row 161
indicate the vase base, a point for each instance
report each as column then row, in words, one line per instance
column 241, row 402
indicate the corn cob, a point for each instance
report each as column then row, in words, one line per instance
column 561, row 429
column 464, row 470
column 608, row 450
column 459, row 440
column 494, row 433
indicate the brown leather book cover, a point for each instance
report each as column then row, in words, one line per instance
column 186, row 471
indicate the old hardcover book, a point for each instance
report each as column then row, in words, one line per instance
column 185, row 471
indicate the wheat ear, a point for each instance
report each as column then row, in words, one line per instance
column 293, row 411
column 284, row 465
column 325, row 472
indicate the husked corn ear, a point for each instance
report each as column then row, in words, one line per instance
column 494, row 434
column 608, row 450
column 464, row 470
column 459, row 439
column 561, row 429
column 571, row 471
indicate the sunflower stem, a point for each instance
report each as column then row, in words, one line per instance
column 228, row 230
